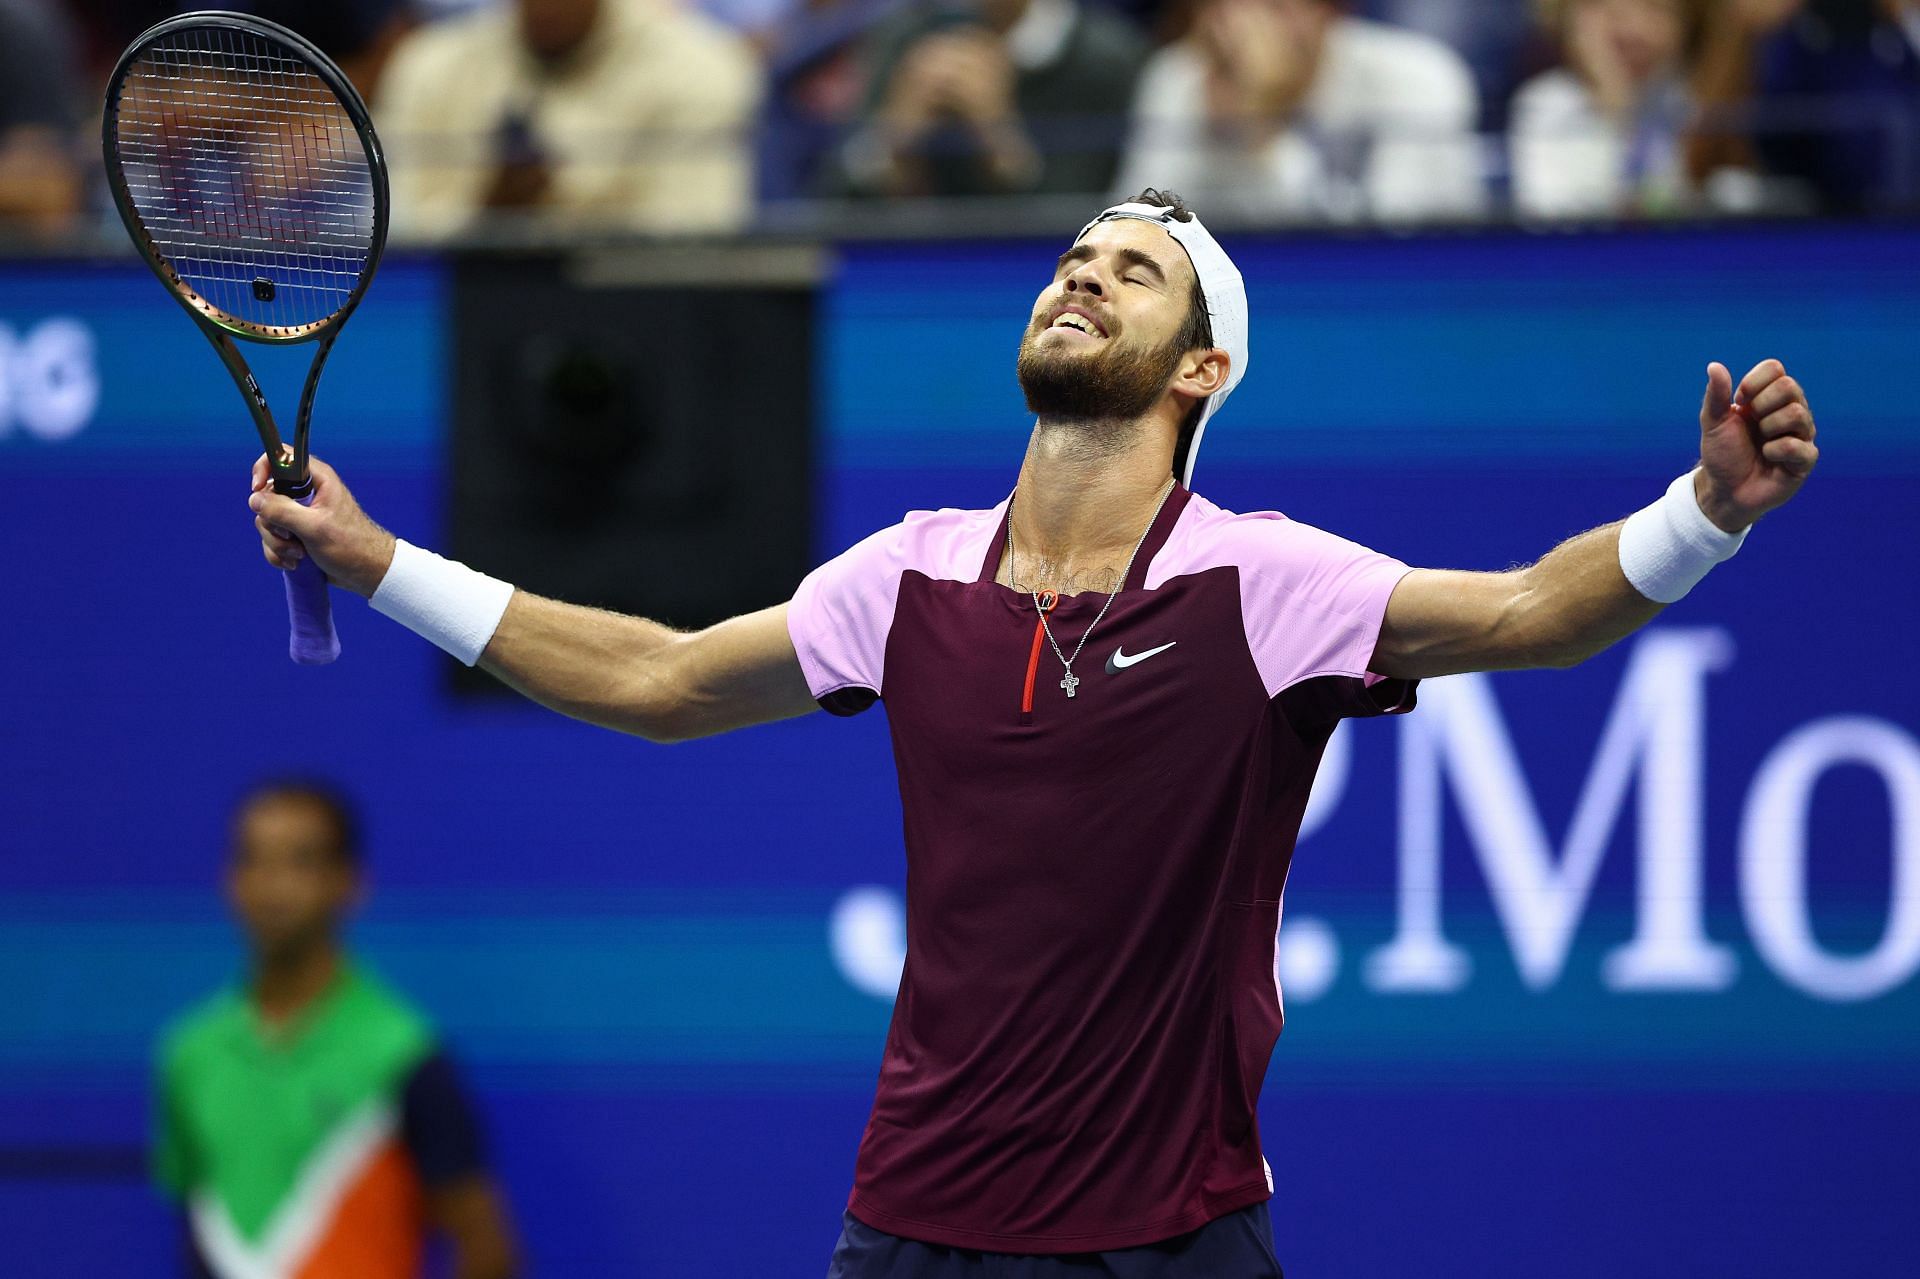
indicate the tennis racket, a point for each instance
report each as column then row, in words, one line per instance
column 248, row 174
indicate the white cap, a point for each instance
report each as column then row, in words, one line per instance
column 1221, row 288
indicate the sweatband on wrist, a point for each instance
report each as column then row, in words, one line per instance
column 442, row 600
column 1666, row 548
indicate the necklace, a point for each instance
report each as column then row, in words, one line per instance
column 1072, row 682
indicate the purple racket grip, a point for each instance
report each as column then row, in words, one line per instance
column 310, row 610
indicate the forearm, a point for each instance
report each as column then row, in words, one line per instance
column 1600, row 587
column 601, row 667
column 1570, row 605
column 1575, row 602
column 588, row 663
column 1588, row 593
column 471, row 1263
column 624, row 673
column 1595, row 589
column 473, row 1218
column 1011, row 160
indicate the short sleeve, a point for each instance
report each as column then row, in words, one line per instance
column 438, row 1123
column 1313, row 605
column 839, row 620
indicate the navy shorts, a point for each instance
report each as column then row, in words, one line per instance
column 1236, row 1246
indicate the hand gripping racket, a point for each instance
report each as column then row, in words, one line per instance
column 248, row 174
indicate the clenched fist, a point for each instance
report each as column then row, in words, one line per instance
column 1756, row 450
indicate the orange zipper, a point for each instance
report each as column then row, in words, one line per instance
column 1046, row 600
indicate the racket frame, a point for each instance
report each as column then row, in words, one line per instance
column 288, row 462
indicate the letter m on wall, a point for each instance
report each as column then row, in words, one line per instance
column 1654, row 738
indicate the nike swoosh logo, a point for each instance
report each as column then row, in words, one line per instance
column 1120, row 661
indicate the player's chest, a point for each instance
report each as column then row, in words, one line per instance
column 974, row 667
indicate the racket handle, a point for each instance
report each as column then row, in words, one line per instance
column 310, row 611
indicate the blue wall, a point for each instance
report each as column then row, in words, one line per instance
column 635, row 950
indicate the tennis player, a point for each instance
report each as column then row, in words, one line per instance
column 1108, row 697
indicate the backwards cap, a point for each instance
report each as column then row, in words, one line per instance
column 1221, row 289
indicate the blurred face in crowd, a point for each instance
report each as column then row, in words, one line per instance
column 1262, row 56
column 290, row 881
column 1106, row 337
column 1643, row 38
column 554, row 29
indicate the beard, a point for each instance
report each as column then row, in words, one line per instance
column 1111, row 384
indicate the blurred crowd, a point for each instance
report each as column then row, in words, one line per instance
column 664, row 116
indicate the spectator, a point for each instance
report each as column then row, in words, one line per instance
column 1492, row 35
column 1604, row 134
column 40, row 186
column 1839, row 104
column 358, row 34
column 1721, row 159
column 1295, row 108
column 602, row 114
column 757, row 20
column 308, row 1120
column 816, row 86
column 1011, row 96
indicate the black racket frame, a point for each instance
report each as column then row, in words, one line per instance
column 288, row 463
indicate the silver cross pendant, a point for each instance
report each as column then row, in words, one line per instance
column 1070, row 683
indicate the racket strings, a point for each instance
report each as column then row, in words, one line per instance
column 247, row 174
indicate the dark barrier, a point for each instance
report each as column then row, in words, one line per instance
column 634, row 429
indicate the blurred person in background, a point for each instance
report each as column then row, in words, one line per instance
column 994, row 98
column 309, row 1121
column 587, row 114
column 1722, row 160
column 816, row 89
column 40, row 182
column 1297, row 109
column 1492, row 35
column 1604, row 134
column 358, row 34
column 1838, row 104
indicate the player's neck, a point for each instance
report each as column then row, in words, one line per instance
column 1086, row 492
column 284, row 985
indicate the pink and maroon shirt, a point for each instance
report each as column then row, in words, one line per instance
column 1093, row 884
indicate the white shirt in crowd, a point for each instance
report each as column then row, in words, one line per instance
column 1570, row 159
column 1387, row 130
column 647, row 127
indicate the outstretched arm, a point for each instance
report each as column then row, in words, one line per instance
column 621, row 672
column 1755, row 452
column 643, row 678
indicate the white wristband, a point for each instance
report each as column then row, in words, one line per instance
column 442, row 600
column 1666, row 548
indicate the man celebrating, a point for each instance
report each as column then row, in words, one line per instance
column 1108, row 697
